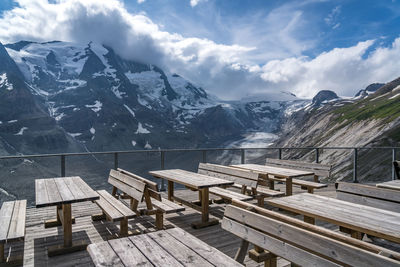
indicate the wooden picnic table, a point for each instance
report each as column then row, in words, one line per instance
column 355, row 217
column 62, row 192
column 394, row 185
column 173, row 247
column 281, row 173
column 194, row 181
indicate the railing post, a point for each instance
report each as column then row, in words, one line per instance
column 162, row 163
column 242, row 156
column 115, row 161
column 204, row 156
column 317, row 155
column 393, row 159
column 355, row 159
column 62, row 165
column 279, row 153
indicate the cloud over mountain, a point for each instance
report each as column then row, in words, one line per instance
column 229, row 71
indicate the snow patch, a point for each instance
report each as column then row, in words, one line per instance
column 130, row 110
column 393, row 97
column 12, row 121
column 96, row 107
column 75, row 134
column 141, row 130
column 133, row 143
column 147, row 145
column 21, row 131
column 92, row 130
column 4, row 82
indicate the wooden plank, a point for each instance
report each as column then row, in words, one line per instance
column 224, row 193
column 17, row 226
column 236, row 179
column 85, row 188
column 41, row 192
column 6, row 213
column 324, row 246
column 167, row 208
column 369, row 191
column 208, row 252
column 275, row 246
column 393, row 185
column 268, row 192
column 131, row 191
column 116, row 204
column 369, row 220
column 153, row 251
column 276, row 171
column 52, row 192
column 316, row 229
column 190, row 179
column 67, row 224
column 127, row 179
column 229, row 171
column 318, row 168
column 75, row 189
column 128, row 253
column 102, row 254
column 184, row 254
column 112, row 213
column 396, row 165
column 368, row 201
column 308, row 184
column 152, row 185
column 64, row 191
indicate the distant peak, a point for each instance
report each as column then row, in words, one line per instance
column 324, row 95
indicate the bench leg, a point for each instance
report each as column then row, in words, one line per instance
column 1, row 252
column 170, row 190
column 123, row 231
column 160, row 220
column 260, row 201
column 289, row 186
column 242, row 251
column 310, row 220
column 310, row 190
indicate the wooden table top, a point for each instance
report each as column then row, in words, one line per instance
column 173, row 247
column 62, row 190
column 278, row 172
column 190, row 179
column 394, row 185
column 365, row 219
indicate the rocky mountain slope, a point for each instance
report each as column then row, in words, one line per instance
column 371, row 119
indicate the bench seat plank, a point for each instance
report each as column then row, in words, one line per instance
column 16, row 230
column 224, row 193
column 167, row 206
column 103, row 254
column 5, row 219
column 116, row 204
column 308, row 183
column 128, row 253
column 269, row 192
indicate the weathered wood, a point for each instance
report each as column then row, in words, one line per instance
column 318, row 168
column 276, row 246
column 103, row 254
column 170, row 190
column 64, row 191
column 6, row 213
column 127, row 179
column 396, row 165
column 67, row 224
column 152, row 185
column 52, row 192
column 16, row 229
column 153, row 251
column 41, row 192
column 368, row 201
column 392, row 185
column 229, row 195
column 328, row 248
column 190, row 179
column 112, row 213
column 131, row 191
column 242, row 251
column 278, row 172
column 264, row 191
column 167, row 206
column 319, row 230
column 369, row 220
column 118, row 205
column 369, row 191
column 128, row 253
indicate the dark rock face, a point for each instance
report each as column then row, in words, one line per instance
column 324, row 95
column 369, row 89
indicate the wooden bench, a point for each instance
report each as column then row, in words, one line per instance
column 245, row 180
column 155, row 204
column 319, row 170
column 112, row 208
column 396, row 165
column 12, row 226
column 368, row 195
column 275, row 234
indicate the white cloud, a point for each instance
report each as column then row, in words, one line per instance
column 243, row 68
column 194, row 3
column 141, row 1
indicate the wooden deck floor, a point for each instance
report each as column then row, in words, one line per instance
column 38, row 238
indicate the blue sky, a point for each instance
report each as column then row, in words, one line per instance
column 246, row 47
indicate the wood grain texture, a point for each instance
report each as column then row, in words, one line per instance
column 318, row 168
column 369, row 191
column 227, row 194
column 276, row 171
column 369, row 220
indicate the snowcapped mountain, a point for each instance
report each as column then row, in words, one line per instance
column 99, row 101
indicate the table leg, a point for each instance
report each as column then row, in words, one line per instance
column 205, row 218
column 1, row 252
column 289, row 186
column 65, row 217
column 56, row 222
column 170, row 190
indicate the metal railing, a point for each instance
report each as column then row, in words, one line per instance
column 204, row 152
